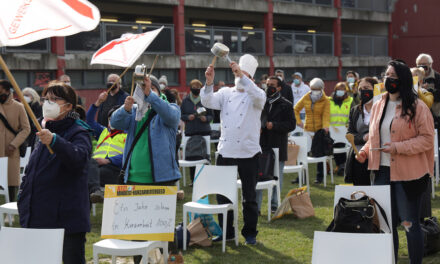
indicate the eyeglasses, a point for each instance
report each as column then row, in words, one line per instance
column 52, row 99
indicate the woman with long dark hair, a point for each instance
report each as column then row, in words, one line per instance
column 358, row 125
column 400, row 149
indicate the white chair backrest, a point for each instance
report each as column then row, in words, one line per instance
column 380, row 193
column 25, row 245
column 349, row 248
column 309, row 135
column 215, row 126
column 185, row 141
column 4, row 178
column 24, row 162
column 210, row 179
column 276, row 167
column 302, row 143
column 436, row 143
column 338, row 134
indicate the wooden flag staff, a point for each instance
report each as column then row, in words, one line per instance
column 20, row 96
column 119, row 78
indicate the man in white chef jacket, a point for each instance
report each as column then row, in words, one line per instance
column 239, row 144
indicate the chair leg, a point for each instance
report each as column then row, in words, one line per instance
column 94, row 209
column 95, row 257
column 331, row 170
column 269, row 204
column 324, row 165
column 184, row 176
column 2, row 219
column 184, row 229
column 307, row 179
column 278, row 194
column 236, row 225
column 433, row 188
column 437, row 172
column 165, row 252
column 225, row 218
column 300, row 180
column 113, row 259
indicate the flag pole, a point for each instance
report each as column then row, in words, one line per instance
column 119, row 78
column 20, row 96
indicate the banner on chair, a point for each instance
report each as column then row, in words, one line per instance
column 135, row 212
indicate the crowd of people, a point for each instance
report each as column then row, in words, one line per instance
column 135, row 140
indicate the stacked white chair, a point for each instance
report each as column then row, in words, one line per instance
column 192, row 163
column 7, row 208
column 24, row 162
column 322, row 160
column 210, row 179
column 216, row 127
column 268, row 185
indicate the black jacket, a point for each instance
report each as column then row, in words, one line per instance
column 196, row 126
column 286, row 91
column 280, row 113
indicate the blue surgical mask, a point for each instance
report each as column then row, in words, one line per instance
column 296, row 82
column 350, row 79
column 340, row 93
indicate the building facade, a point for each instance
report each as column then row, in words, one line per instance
column 319, row 38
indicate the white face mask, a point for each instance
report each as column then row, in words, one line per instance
column 51, row 110
column 68, row 83
column 162, row 86
column 28, row 99
column 264, row 86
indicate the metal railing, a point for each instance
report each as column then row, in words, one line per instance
column 201, row 39
column 371, row 5
column 91, row 41
column 314, row 2
column 300, row 43
column 364, row 45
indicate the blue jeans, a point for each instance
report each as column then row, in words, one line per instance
column 273, row 202
column 405, row 210
column 302, row 116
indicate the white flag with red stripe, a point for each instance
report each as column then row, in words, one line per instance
column 125, row 50
column 25, row 21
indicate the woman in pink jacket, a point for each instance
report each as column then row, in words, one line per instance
column 400, row 149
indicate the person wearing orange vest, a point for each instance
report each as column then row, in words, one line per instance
column 106, row 162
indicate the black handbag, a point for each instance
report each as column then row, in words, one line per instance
column 357, row 215
column 22, row 148
column 431, row 231
column 135, row 140
column 266, row 163
column 322, row 144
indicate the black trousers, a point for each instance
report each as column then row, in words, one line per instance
column 248, row 171
column 99, row 176
column 74, row 248
column 137, row 259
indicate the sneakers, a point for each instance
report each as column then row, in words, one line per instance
column 318, row 181
column 251, row 241
column 97, row 196
column 220, row 238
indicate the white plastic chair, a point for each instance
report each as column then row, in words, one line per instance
column 116, row 247
column 322, row 160
column 26, row 245
column 24, row 162
column 302, row 167
column 348, row 248
column 268, row 185
column 338, row 135
column 9, row 209
column 215, row 126
column 4, row 185
column 212, row 179
column 192, row 163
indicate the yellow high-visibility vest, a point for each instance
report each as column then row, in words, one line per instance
column 109, row 146
column 339, row 115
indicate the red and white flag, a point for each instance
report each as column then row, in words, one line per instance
column 125, row 50
column 25, row 21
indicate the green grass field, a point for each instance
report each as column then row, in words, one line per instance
column 287, row 240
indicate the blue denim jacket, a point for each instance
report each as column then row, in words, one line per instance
column 162, row 136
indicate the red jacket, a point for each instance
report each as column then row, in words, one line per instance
column 412, row 143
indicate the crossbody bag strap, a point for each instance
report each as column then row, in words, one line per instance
column 382, row 211
column 7, row 125
column 136, row 139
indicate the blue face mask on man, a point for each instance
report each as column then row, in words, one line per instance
column 350, row 79
column 340, row 93
column 296, row 82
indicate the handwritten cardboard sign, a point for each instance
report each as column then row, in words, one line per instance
column 135, row 212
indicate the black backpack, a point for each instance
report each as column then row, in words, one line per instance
column 196, row 149
column 431, row 231
column 322, row 144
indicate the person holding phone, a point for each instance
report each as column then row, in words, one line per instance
column 400, row 150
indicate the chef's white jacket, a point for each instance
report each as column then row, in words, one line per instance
column 240, row 114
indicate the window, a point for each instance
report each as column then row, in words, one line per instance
column 85, row 41
column 227, row 37
column 115, row 31
column 94, row 79
column 164, row 42
column 348, row 45
column 198, row 40
column 76, row 77
column 303, row 44
column 282, row 43
column 324, row 44
column 365, row 46
column 252, row 42
column 362, row 45
column 380, row 46
column 42, row 45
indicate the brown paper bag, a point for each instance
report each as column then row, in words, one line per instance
column 292, row 153
column 301, row 205
column 199, row 234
